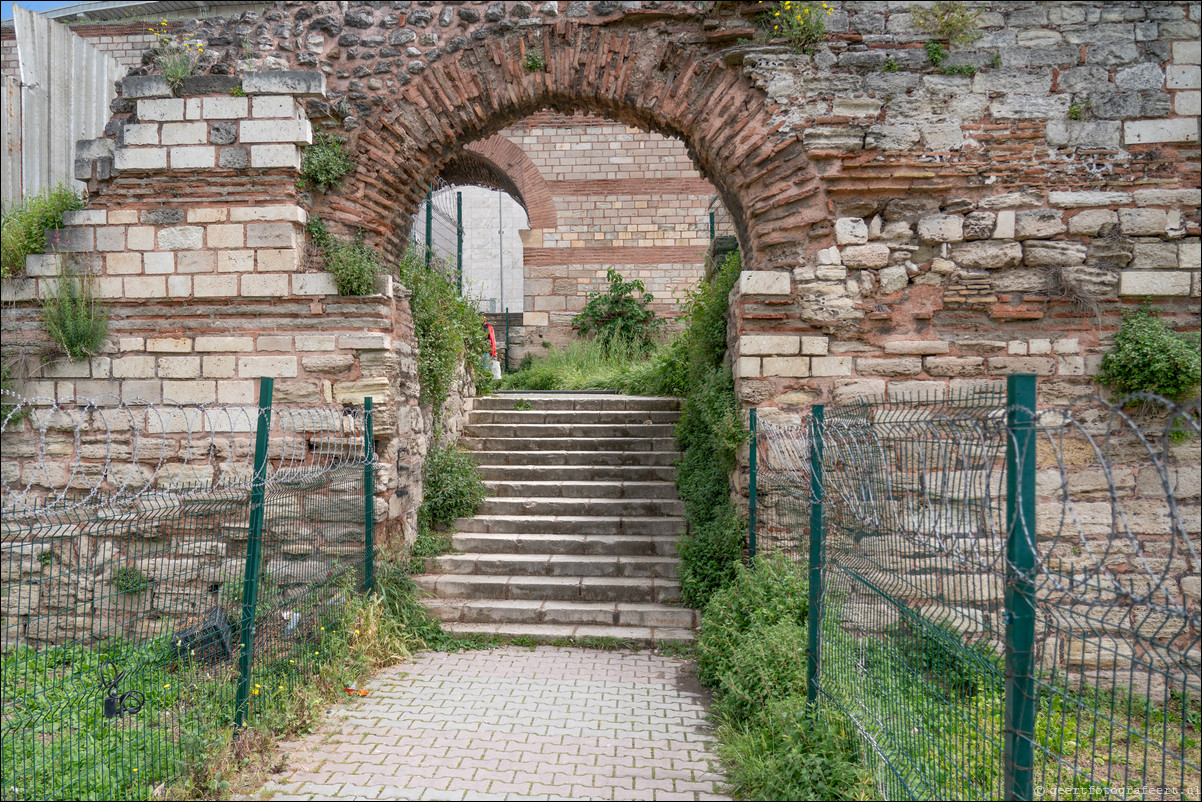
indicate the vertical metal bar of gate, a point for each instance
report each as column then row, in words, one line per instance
column 429, row 224
column 369, row 499
column 459, row 243
column 817, row 541
column 1019, row 747
column 751, row 481
column 254, row 547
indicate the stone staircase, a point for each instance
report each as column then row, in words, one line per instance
column 577, row 537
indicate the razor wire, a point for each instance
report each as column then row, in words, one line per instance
column 124, row 610
column 62, row 455
column 914, row 576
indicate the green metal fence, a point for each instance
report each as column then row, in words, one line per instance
column 1005, row 600
column 168, row 570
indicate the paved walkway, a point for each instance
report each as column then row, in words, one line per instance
column 513, row 723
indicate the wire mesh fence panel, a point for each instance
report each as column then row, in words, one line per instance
column 123, row 548
column 921, row 617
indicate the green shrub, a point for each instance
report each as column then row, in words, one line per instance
column 428, row 544
column 792, row 752
column 710, row 556
column 619, row 317
column 1149, row 357
column 326, row 161
column 586, row 365
column 450, row 330
column 23, row 227
column 72, row 316
column 951, row 21
column 774, row 591
column 354, row 264
column 452, row 486
column 128, row 579
column 764, row 664
column 939, row 652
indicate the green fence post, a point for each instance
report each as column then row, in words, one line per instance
column 751, row 487
column 1019, row 749
column 711, row 226
column 459, row 243
column 507, row 339
column 429, row 225
column 254, row 547
column 817, row 539
column 369, row 499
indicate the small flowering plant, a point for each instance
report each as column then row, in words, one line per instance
column 175, row 56
column 802, row 23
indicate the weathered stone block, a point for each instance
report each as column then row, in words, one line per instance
column 1142, row 132
column 355, row 391
column 1038, row 224
column 270, row 235
column 1092, row 221
column 917, row 347
column 769, row 345
column 265, row 285
column 987, row 255
column 161, row 110
column 955, row 365
column 763, row 282
column 1143, row 222
column 304, row 83
column 1154, row 256
column 181, row 238
column 814, row 345
column 192, row 158
column 267, row 156
column 791, row 366
column 893, row 279
column 324, row 284
column 328, row 363
column 900, row 366
column 140, row 159
column 941, row 228
column 1154, row 282
column 831, row 365
column 1041, row 366
column 860, row 257
column 851, row 231
column 1049, row 253
column 254, row 367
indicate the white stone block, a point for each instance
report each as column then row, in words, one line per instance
column 182, row 134
column 192, row 108
column 190, row 392
column 1187, row 52
column 145, row 287
column 875, row 255
column 181, row 238
column 1184, row 76
column 225, row 108
column 275, row 260
column 1143, row 222
column 764, row 282
column 1067, row 345
column 1154, row 282
column 769, row 345
column 1072, row 200
column 254, row 367
column 139, row 238
column 270, row 235
column 215, row 343
column 140, row 134
column 747, row 367
column 225, row 236
column 215, row 286
column 324, row 284
column 256, row 131
column 274, row 106
column 1005, row 225
column 235, row 261
column 790, row 366
column 1188, row 198
column 159, row 262
column 814, row 345
column 266, row 156
column 289, row 212
column 1142, row 132
column 179, row 286
column 264, row 285
column 140, row 159
column 1189, row 255
column 161, row 109
column 831, row 366
column 851, row 231
column 1039, row 346
column 313, row 342
column 828, row 256
column 1189, row 103
column 193, row 158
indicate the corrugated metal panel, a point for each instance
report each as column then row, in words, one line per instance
column 10, row 125
column 66, row 87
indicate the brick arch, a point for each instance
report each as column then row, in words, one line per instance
column 664, row 70
column 533, row 193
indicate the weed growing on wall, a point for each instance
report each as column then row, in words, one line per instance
column 354, row 265
column 535, row 61
column 73, row 318
column 1149, row 357
column 802, row 23
column 127, row 579
column 620, row 316
column 23, row 227
column 952, row 22
column 326, row 161
column 450, row 330
column 175, row 57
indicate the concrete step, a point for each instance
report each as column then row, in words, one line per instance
column 573, row 507
column 502, row 611
column 621, row 444
column 551, row 633
column 550, row 588
column 581, row 401
column 585, row 565
column 577, row 457
column 572, row 416
column 523, row 543
column 580, row 489
column 576, row 473
column 587, row 431
column 589, row 525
